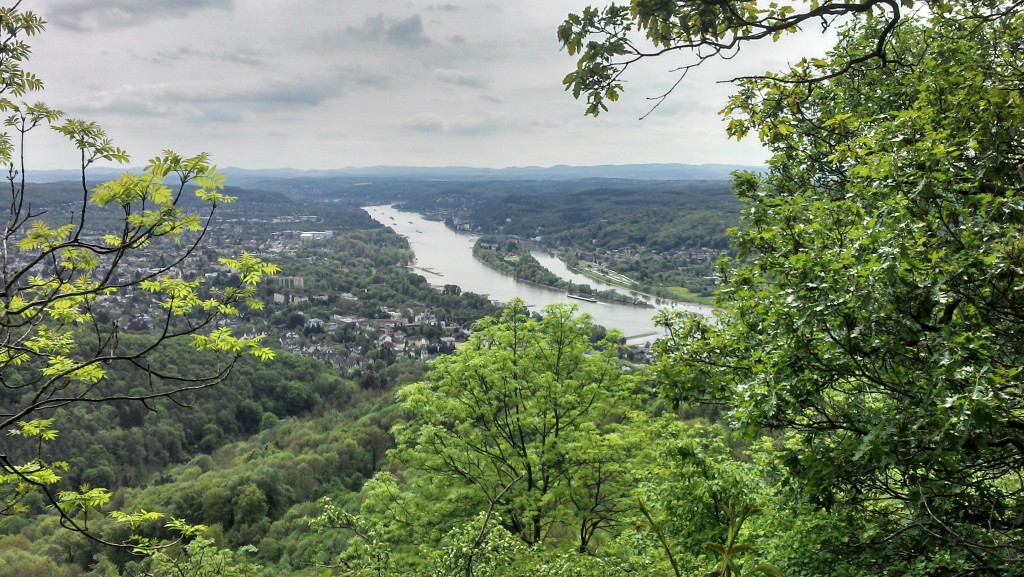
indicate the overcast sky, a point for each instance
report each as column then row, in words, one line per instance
column 336, row 83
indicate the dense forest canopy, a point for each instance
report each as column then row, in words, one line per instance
column 873, row 315
column 664, row 235
column 854, row 409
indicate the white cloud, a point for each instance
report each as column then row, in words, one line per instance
column 320, row 83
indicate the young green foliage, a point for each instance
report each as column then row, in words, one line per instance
column 523, row 419
column 873, row 314
column 516, row 450
column 55, row 266
column 607, row 41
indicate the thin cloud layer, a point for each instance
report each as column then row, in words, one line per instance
column 95, row 15
column 189, row 54
column 322, row 83
column 460, row 78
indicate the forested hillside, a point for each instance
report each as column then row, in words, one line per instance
column 250, row 455
column 660, row 216
column 665, row 235
column 872, row 321
column 662, row 235
column 200, row 381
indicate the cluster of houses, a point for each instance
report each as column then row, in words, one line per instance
column 341, row 340
column 369, row 340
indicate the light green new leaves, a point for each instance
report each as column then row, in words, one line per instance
column 251, row 271
column 874, row 310
column 41, row 236
column 62, row 262
column 22, row 480
column 202, row 558
column 41, row 429
column 524, row 416
column 73, row 370
column 222, row 340
column 92, row 140
column 83, row 502
column 607, row 41
column 181, row 298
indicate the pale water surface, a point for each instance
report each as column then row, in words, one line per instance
column 444, row 256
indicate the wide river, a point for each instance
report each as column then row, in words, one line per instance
column 444, row 256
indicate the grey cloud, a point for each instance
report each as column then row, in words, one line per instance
column 278, row 94
column 406, row 33
column 433, row 124
column 494, row 124
column 460, row 78
column 426, row 123
column 222, row 115
column 479, row 128
column 372, row 29
column 86, row 15
column 228, row 103
column 445, row 7
column 491, row 98
column 128, row 106
column 298, row 91
column 187, row 53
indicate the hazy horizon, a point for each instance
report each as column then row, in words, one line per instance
column 637, row 171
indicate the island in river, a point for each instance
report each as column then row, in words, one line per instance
column 514, row 258
column 444, row 257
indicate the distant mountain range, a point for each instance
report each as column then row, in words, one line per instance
column 243, row 176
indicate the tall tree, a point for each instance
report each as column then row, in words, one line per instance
column 522, row 419
column 58, row 262
column 515, row 452
column 873, row 314
column 608, row 41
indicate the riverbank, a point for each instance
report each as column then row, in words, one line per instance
column 678, row 294
column 514, row 258
column 449, row 257
column 556, row 262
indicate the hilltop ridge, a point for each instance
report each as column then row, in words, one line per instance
column 239, row 176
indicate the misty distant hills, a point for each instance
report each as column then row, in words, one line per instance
column 243, row 176
column 560, row 172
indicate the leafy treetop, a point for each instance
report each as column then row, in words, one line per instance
column 55, row 268
column 872, row 318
